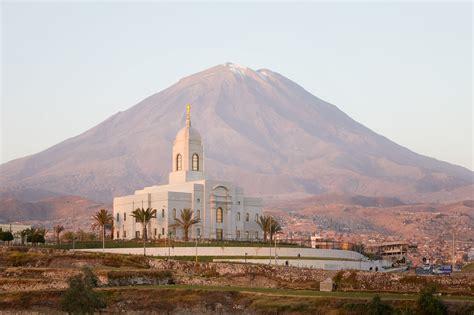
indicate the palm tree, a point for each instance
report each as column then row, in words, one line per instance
column 35, row 235
column 275, row 228
column 144, row 217
column 186, row 221
column 23, row 234
column 264, row 222
column 57, row 231
column 102, row 218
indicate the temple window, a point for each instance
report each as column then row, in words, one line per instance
column 179, row 162
column 219, row 215
column 195, row 166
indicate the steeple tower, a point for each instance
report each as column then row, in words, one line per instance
column 188, row 161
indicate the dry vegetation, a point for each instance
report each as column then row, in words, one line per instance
column 35, row 279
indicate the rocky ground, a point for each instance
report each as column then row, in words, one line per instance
column 34, row 279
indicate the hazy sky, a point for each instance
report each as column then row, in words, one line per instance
column 402, row 69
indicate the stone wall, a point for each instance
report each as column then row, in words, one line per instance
column 236, row 251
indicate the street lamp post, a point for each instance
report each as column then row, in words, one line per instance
column 169, row 245
column 197, row 249
column 276, row 251
column 270, row 232
column 73, row 227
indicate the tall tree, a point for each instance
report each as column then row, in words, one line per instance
column 264, row 223
column 35, row 235
column 57, row 232
column 186, row 221
column 144, row 217
column 101, row 219
column 6, row 236
column 275, row 227
column 23, row 234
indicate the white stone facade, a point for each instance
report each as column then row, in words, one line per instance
column 225, row 212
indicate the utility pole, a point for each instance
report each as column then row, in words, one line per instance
column 270, row 232
column 169, row 250
column 103, row 238
column 275, row 251
column 73, row 229
column 196, row 250
column 453, row 259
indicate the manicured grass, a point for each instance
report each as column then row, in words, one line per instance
column 162, row 243
column 305, row 293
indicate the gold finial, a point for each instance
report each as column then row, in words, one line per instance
column 188, row 114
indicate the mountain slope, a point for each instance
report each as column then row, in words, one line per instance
column 259, row 129
column 48, row 209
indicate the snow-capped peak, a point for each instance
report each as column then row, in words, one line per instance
column 236, row 68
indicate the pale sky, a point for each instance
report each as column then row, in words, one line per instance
column 402, row 69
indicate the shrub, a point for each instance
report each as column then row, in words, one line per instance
column 157, row 274
column 89, row 277
column 338, row 277
column 210, row 273
column 6, row 236
column 80, row 297
column 18, row 259
column 376, row 307
column 429, row 304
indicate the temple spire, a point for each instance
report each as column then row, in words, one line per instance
column 188, row 115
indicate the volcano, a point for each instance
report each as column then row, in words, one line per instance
column 259, row 129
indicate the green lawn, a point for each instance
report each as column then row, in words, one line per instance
column 161, row 243
column 305, row 293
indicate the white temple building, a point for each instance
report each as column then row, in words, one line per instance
column 224, row 210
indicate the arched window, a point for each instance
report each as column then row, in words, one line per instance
column 162, row 213
column 198, row 213
column 219, row 215
column 195, row 166
column 174, row 213
column 247, row 216
column 238, row 216
column 179, row 162
column 256, row 217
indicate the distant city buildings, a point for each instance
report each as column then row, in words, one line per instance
column 395, row 252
